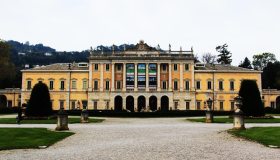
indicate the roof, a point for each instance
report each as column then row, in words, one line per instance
column 58, row 67
column 223, row 68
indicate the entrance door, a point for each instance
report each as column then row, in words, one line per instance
column 153, row 103
column 130, row 103
column 141, row 103
column 164, row 103
column 118, row 103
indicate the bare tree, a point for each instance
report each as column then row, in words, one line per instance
column 209, row 58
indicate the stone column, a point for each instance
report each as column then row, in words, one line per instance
column 135, row 77
column 181, row 77
column 101, row 76
column 158, row 103
column 113, row 77
column 169, row 78
column 158, row 77
column 124, row 76
column 135, row 104
column 147, row 76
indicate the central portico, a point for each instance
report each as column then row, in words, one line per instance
column 140, row 78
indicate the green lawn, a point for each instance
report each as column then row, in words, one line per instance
column 264, row 135
column 16, row 138
column 230, row 120
column 48, row 121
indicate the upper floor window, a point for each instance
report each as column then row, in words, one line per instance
column 62, row 85
column 186, row 67
column 197, row 84
column 85, row 84
column 187, row 85
column 175, row 85
column 231, row 85
column 175, row 67
column 164, row 67
column 107, row 85
column 221, row 85
column 107, row 67
column 74, row 84
column 95, row 85
column 164, row 85
column 96, row 67
column 28, row 84
column 51, row 85
column 209, row 85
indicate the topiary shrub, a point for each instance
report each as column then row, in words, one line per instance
column 39, row 104
column 252, row 103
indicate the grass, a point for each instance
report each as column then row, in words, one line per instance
column 20, row 138
column 230, row 120
column 47, row 121
column 264, row 135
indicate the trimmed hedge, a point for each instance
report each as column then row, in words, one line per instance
column 9, row 110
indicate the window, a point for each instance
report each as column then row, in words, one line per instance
column 209, row 85
column 197, row 84
column 118, row 84
column 187, row 85
column 232, row 85
column 107, row 105
column 175, row 85
column 28, row 84
column 10, row 103
column 96, row 85
column 198, row 105
column 221, row 85
column 73, row 103
column 164, row 85
column 107, row 85
column 84, row 84
column 95, row 105
column 176, row 105
column 61, row 104
column 187, row 105
column 51, row 85
column 221, row 105
column 74, row 84
column 96, row 67
column 119, row 67
column 62, row 85
column 164, row 68
column 107, row 67
column 272, row 105
column 175, row 67
column 186, row 67
column 232, row 105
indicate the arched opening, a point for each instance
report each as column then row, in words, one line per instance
column 130, row 103
column 3, row 101
column 164, row 103
column 278, row 102
column 153, row 103
column 141, row 103
column 118, row 103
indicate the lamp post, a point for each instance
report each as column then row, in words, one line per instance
column 209, row 113
column 238, row 116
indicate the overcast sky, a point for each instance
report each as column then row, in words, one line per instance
column 248, row 26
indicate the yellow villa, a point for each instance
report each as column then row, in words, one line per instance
column 142, row 78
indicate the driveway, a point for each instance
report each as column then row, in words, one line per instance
column 147, row 138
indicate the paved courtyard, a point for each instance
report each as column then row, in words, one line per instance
column 147, row 138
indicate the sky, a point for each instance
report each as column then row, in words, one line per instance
column 249, row 27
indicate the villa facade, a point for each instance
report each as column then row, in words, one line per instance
column 139, row 78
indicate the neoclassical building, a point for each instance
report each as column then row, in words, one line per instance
column 139, row 78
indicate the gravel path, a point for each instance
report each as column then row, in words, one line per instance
column 156, row 138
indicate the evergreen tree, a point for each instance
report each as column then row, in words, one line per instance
column 271, row 75
column 245, row 64
column 225, row 55
column 39, row 103
column 252, row 103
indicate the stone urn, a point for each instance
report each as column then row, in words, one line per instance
column 209, row 112
column 62, row 120
column 238, row 116
column 84, row 116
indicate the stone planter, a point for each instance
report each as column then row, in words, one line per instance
column 84, row 116
column 62, row 121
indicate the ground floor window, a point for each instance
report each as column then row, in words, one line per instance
column 198, row 105
column 95, row 105
column 221, row 105
column 61, row 104
column 187, row 105
column 73, row 105
column 175, row 105
column 272, row 104
column 107, row 105
column 232, row 105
